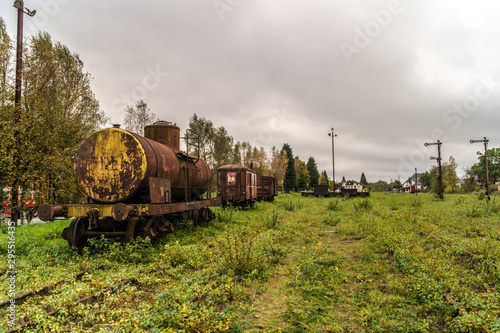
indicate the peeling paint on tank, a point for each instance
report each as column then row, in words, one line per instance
column 114, row 166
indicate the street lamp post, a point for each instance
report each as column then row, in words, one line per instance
column 485, row 163
column 333, row 157
column 440, row 174
column 19, row 5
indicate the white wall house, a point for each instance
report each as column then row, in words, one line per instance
column 409, row 185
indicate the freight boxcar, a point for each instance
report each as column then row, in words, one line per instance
column 267, row 188
column 236, row 185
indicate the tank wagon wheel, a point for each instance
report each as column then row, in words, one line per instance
column 74, row 233
column 154, row 228
column 204, row 215
column 135, row 228
column 207, row 215
column 157, row 227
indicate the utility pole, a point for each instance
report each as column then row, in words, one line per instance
column 416, row 182
column 485, row 163
column 19, row 5
column 440, row 175
column 333, row 157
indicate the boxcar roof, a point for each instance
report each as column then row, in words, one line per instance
column 234, row 167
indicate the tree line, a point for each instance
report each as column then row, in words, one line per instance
column 217, row 147
column 58, row 110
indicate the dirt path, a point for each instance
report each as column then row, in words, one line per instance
column 270, row 300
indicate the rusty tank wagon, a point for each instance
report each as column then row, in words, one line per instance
column 135, row 186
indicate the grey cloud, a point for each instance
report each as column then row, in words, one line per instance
column 265, row 56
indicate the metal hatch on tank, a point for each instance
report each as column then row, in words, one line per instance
column 135, row 185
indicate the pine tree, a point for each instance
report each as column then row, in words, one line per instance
column 312, row 168
column 363, row 181
column 290, row 182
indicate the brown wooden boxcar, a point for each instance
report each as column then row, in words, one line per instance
column 236, row 185
column 267, row 188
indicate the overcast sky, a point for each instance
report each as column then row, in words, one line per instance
column 387, row 75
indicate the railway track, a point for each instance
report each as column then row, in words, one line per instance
column 46, row 291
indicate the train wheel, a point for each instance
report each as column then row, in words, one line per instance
column 80, row 224
column 157, row 227
column 67, row 233
column 204, row 215
column 135, row 228
column 207, row 215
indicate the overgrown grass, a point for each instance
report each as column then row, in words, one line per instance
column 387, row 263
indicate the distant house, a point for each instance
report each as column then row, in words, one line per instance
column 350, row 185
column 410, row 185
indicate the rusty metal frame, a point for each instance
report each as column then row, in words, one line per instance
column 72, row 210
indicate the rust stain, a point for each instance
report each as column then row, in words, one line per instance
column 113, row 165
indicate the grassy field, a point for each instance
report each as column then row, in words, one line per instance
column 388, row 263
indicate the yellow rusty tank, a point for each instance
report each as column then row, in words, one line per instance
column 113, row 165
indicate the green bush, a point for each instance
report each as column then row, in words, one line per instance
column 333, row 205
column 238, row 254
column 331, row 220
column 273, row 221
column 290, row 205
column 417, row 203
column 362, row 205
column 225, row 215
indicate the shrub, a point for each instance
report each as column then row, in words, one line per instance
column 331, row 220
column 333, row 205
column 225, row 215
column 417, row 203
column 362, row 205
column 272, row 222
column 474, row 211
column 238, row 254
column 291, row 205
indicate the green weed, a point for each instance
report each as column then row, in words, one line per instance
column 333, row 205
column 417, row 203
column 291, row 205
column 273, row 221
column 331, row 220
column 362, row 205
column 475, row 211
column 225, row 215
column 239, row 256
